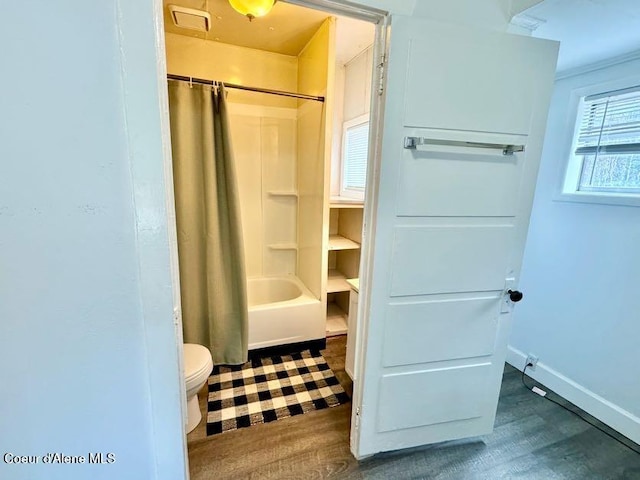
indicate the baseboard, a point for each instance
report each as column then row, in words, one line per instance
column 608, row 413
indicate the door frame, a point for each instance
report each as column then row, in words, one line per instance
column 156, row 355
column 382, row 22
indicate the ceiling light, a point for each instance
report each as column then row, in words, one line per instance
column 252, row 8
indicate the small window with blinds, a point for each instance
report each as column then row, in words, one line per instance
column 355, row 153
column 607, row 143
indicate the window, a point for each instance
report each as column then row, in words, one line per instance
column 606, row 152
column 355, row 154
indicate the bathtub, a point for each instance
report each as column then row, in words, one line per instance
column 281, row 311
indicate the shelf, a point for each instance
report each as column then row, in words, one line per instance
column 282, row 193
column 338, row 242
column 346, row 205
column 343, row 202
column 336, row 320
column 337, row 282
column 283, row 246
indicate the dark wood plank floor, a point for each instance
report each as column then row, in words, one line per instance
column 533, row 439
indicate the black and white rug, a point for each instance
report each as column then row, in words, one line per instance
column 269, row 389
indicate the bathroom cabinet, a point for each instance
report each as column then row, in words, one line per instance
column 345, row 237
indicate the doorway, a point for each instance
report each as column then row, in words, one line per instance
column 438, row 126
column 351, row 120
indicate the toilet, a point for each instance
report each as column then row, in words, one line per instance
column 197, row 368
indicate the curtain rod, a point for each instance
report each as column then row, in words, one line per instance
column 200, row 81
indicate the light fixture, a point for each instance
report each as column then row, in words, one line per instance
column 252, row 8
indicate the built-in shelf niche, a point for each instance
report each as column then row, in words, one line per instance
column 345, row 237
column 279, row 224
column 337, row 313
column 346, row 222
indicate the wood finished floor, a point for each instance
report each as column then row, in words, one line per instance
column 533, row 439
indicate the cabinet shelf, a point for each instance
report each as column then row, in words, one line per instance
column 336, row 320
column 337, row 282
column 338, row 242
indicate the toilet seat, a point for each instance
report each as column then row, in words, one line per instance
column 197, row 363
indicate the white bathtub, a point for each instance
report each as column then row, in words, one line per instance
column 281, row 311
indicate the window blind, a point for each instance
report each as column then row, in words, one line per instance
column 610, row 124
column 356, row 149
column 608, row 140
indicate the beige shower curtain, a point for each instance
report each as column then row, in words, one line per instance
column 210, row 248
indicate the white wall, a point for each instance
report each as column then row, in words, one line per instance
column 315, row 77
column 580, row 277
column 264, row 148
column 357, row 85
column 78, row 366
column 338, row 121
column 353, row 99
column 195, row 57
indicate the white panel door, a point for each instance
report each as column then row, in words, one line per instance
column 450, row 228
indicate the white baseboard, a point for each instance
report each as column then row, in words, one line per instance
column 610, row 414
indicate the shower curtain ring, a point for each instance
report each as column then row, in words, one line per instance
column 190, row 82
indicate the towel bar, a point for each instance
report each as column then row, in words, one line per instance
column 414, row 142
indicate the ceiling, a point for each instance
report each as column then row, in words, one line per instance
column 286, row 29
column 517, row 6
column 589, row 30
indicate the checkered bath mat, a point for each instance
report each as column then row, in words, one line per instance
column 269, row 389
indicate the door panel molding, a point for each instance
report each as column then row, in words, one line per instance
column 453, row 258
column 504, row 80
column 409, row 324
column 431, row 397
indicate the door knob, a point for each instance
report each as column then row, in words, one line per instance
column 515, row 296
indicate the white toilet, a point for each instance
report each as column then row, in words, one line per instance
column 197, row 368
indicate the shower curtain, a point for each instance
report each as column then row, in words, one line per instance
column 210, row 248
